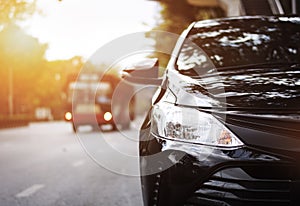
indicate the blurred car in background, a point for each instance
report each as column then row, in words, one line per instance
column 224, row 125
column 90, row 101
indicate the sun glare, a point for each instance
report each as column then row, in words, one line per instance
column 80, row 27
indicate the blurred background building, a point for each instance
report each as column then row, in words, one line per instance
column 251, row 7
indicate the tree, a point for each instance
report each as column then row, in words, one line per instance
column 175, row 17
column 18, row 51
column 15, row 10
column 28, row 79
column 51, row 85
column 22, row 60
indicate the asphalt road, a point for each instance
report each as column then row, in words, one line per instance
column 47, row 164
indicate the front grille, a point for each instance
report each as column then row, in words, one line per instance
column 239, row 186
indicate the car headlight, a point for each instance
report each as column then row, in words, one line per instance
column 190, row 125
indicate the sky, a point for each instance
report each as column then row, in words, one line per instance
column 80, row 27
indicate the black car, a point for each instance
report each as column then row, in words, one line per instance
column 224, row 127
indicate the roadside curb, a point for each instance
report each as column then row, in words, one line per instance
column 13, row 123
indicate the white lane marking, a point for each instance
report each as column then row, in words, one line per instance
column 78, row 163
column 30, row 190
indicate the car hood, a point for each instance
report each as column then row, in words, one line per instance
column 252, row 88
column 261, row 107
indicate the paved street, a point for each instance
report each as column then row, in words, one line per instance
column 45, row 164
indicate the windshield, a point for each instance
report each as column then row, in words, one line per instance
column 241, row 42
column 86, row 92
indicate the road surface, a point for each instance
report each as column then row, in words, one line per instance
column 47, row 164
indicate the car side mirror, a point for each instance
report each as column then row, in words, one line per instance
column 143, row 72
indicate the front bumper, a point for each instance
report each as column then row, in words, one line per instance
column 185, row 174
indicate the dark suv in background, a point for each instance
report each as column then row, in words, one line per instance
column 224, row 128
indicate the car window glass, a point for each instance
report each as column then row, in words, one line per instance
column 233, row 43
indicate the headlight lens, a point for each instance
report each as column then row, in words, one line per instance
column 190, row 125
